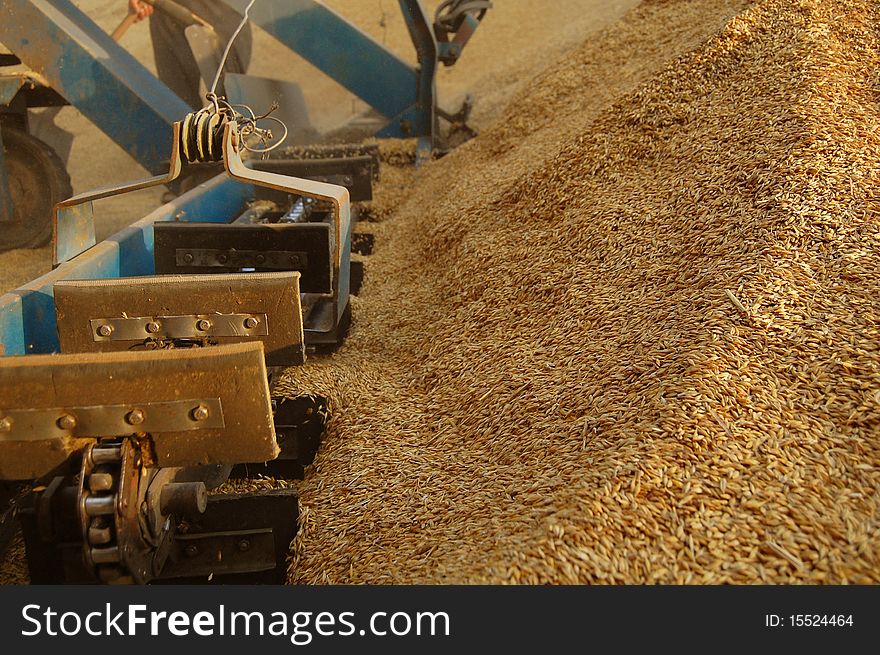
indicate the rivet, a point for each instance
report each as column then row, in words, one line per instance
column 222, row 258
column 260, row 259
column 200, row 413
column 66, row 422
column 135, row 417
column 5, row 424
column 191, row 551
column 244, row 545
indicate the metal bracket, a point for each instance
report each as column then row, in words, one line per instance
column 74, row 218
column 281, row 260
column 197, row 326
column 241, row 538
column 154, row 381
column 199, row 249
column 235, row 551
column 110, row 420
column 356, row 173
column 183, row 310
column 74, row 221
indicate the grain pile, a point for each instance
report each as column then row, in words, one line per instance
column 630, row 334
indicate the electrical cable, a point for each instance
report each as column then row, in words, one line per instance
column 244, row 20
column 201, row 135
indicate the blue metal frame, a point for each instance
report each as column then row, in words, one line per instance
column 423, row 38
column 95, row 75
column 363, row 66
column 27, row 315
column 338, row 49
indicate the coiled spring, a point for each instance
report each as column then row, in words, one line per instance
column 201, row 134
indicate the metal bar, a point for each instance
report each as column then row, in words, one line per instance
column 27, row 315
column 191, row 326
column 340, row 50
column 7, row 210
column 74, row 223
column 198, row 249
column 94, row 74
column 423, row 120
column 354, row 173
column 112, row 420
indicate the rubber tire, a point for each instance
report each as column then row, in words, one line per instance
column 37, row 181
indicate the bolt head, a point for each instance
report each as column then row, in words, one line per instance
column 250, row 322
column 294, row 260
column 6, row 424
column 135, row 417
column 191, row 551
column 200, row 413
column 105, row 330
column 153, row 327
column 244, row 545
column 203, row 325
column 66, row 422
column 188, row 258
column 222, row 258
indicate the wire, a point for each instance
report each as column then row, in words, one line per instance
column 202, row 130
column 244, row 20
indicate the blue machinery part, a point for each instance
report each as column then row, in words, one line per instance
column 405, row 95
column 94, row 74
column 80, row 61
column 366, row 68
column 27, row 315
column 136, row 110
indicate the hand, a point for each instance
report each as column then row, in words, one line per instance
column 140, row 9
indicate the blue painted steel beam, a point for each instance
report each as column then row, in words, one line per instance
column 27, row 315
column 423, row 38
column 340, row 50
column 95, row 75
